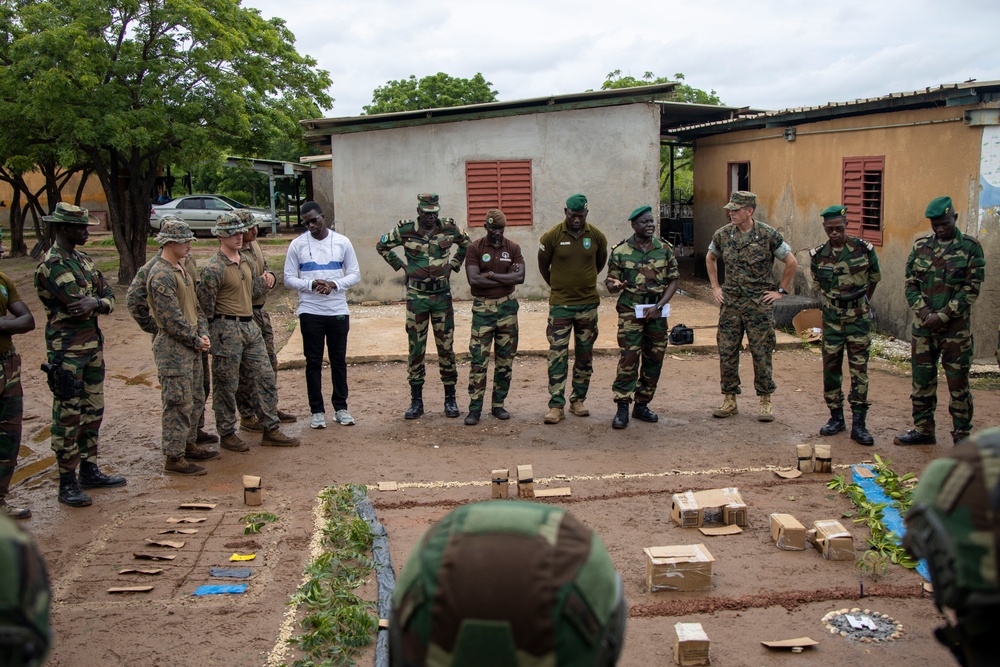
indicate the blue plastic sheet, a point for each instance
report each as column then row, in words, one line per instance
column 218, row 589
column 890, row 515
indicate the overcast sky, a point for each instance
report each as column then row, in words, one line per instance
column 771, row 54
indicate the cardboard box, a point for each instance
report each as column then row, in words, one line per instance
column 525, row 482
column 691, row 646
column 687, row 509
column 824, row 459
column 833, row 541
column 805, row 455
column 252, row 493
column 500, row 482
column 682, row 567
column 809, row 324
column 787, row 532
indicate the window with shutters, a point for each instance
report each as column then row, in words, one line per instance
column 502, row 184
column 862, row 192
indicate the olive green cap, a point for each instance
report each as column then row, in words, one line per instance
column 835, row 211
column 576, row 203
column 938, row 207
column 639, row 211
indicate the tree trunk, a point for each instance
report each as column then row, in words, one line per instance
column 16, row 247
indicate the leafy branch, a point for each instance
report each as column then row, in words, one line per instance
column 256, row 520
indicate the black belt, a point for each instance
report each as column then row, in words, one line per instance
column 234, row 318
column 437, row 285
column 640, row 297
column 846, row 304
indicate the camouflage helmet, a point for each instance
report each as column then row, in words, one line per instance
column 520, row 582
column 25, row 636
column 954, row 522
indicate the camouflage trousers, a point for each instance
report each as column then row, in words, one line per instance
column 581, row 322
column 854, row 335
column 431, row 309
column 493, row 324
column 643, row 343
column 246, row 393
column 76, row 422
column 11, row 411
column 179, row 369
column 233, row 344
column 953, row 347
column 756, row 320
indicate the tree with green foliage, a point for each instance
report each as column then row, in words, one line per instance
column 431, row 92
column 135, row 84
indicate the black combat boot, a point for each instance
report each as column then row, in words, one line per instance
column 642, row 412
column 836, row 423
column 472, row 418
column 450, row 404
column 416, row 402
column 69, row 491
column 92, row 478
column 859, row 433
column 914, row 437
column 621, row 417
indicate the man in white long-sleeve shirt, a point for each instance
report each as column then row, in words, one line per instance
column 321, row 266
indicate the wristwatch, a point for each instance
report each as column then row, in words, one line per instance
column 781, row 290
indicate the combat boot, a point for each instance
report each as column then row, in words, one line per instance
column 199, row 453
column 472, row 418
column 766, row 411
column 554, row 416
column 286, row 417
column 836, row 423
column 621, row 417
column 450, row 404
column 91, row 477
column 206, row 438
column 914, row 437
column 642, row 412
column 416, row 402
column 578, row 408
column 69, row 491
column 181, row 466
column 273, row 437
column 500, row 413
column 859, row 433
column 234, row 443
column 251, row 423
column 728, row 407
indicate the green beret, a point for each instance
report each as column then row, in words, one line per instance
column 938, row 207
column 576, row 203
column 639, row 211
column 835, row 211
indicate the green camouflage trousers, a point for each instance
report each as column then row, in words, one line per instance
column 643, row 343
column 433, row 309
column 11, row 411
column 179, row 370
column 235, row 343
column 756, row 320
column 581, row 321
column 953, row 347
column 855, row 336
column 246, row 394
column 76, row 422
column 492, row 323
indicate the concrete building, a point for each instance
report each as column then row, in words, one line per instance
column 885, row 159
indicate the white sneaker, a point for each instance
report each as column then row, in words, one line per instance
column 344, row 418
column 318, row 420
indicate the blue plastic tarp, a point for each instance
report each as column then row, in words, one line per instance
column 890, row 515
column 219, row 589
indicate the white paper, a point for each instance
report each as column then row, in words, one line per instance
column 640, row 309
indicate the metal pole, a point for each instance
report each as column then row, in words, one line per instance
column 274, row 212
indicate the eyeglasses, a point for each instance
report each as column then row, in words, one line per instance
column 306, row 221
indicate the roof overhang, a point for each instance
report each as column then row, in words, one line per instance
column 269, row 167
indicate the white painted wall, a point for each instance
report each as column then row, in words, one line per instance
column 610, row 154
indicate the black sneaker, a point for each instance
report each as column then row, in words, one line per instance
column 914, row 437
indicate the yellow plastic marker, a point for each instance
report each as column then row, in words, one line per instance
column 242, row 557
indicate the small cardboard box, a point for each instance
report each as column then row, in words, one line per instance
column 788, row 534
column 525, row 482
column 691, row 646
column 682, row 567
column 833, row 540
column 805, row 455
column 687, row 509
column 500, row 482
column 824, row 459
column 252, row 492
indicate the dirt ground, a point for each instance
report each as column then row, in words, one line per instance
column 621, row 485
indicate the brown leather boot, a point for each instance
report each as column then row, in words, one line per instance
column 275, row 438
column 206, row 438
column 198, row 453
column 181, row 466
column 579, row 409
column 251, row 424
column 286, row 417
column 554, row 416
column 234, row 443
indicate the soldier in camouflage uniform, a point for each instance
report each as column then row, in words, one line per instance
column 644, row 270
column 15, row 318
column 427, row 243
column 845, row 271
column 943, row 276
column 570, row 255
column 25, row 597
column 74, row 293
column 493, row 266
column 748, row 248
column 225, row 293
column 177, row 348
column 954, row 523
column 511, row 583
column 246, row 396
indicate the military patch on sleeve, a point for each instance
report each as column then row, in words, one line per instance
column 541, row 247
column 868, row 246
column 161, row 289
column 385, row 238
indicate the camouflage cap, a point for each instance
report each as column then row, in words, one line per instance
column 173, row 230
column 427, row 202
column 639, row 211
column 939, row 206
column 227, row 224
column 576, row 203
column 245, row 216
column 835, row 211
column 741, row 198
column 25, row 635
column 520, row 582
column 496, row 218
column 71, row 215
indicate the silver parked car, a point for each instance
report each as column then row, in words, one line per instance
column 201, row 211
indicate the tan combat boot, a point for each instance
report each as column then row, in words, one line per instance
column 251, row 424
column 554, row 416
column 275, row 438
column 234, row 443
column 196, row 452
column 728, row 407
column 579, row 409
column 765, row 414
column 181, row 466
column 286, row 417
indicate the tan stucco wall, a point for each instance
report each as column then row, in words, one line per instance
column 93, row 196
column 928, row 153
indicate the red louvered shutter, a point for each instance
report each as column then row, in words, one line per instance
column 502, row 184
column 862, row 192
